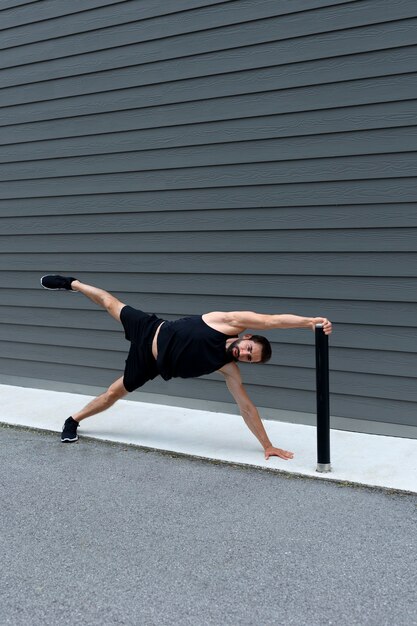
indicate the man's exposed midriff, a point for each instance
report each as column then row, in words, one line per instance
column 155, row 342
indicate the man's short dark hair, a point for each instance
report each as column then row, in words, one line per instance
column 266, row 347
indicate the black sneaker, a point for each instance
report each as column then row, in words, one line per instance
column 54, row 281
column 69, row 431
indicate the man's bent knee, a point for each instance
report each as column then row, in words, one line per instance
column 116, row 391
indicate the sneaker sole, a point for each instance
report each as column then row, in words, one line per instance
column 68, row 440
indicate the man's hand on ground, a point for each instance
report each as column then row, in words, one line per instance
column 283, row 454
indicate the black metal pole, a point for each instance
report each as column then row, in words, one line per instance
column 323, row 405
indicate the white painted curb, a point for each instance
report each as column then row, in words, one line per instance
column 373, row 460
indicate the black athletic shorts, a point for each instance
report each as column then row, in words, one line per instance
column 140, row 329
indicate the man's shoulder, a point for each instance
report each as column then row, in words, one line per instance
column 223, row 321
column 215, row 317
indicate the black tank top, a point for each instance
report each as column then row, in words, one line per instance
column 188, row 347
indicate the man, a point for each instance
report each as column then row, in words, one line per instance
column 186, row 348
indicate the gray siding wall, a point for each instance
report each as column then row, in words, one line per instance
column 201, row 155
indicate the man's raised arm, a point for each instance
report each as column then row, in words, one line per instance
column 259, row 321
column 249, row 411
column 238, row 321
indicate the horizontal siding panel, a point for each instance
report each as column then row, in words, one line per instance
column 312, row 287
column 11, row 4
column 237, row 76
column 259, row 133
column 188, row 124
column 185, row 21
column 50, row 336
column 115, row 159
column 339, row 311
column 242, row 49
column 70, row 318
column 386, row 166
column 301, row 195
column 236, row 13
column 353, row 217
column 62, row 372
column 236, row 92
column 57, row 26
column 147, row 252
column 14, row 14
column 214, row 35
column 105, row 359
column 45, row 10
column 158, row 7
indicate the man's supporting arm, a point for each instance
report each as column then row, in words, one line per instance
column 249, row 411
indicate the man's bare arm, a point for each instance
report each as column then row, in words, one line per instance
column 238, row 321
column 249, row 411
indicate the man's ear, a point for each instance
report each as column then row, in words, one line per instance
column 247, row 337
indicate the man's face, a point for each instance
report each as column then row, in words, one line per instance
column 245, row 351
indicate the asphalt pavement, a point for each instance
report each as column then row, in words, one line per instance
column 99, row 533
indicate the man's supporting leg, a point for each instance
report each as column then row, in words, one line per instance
column 100, row 297
column 101, row 403
column 115, row 392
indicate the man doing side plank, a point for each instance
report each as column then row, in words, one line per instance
column 186, row 348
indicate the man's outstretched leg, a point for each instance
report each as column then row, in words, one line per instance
column 115, row 392
column 103, row 298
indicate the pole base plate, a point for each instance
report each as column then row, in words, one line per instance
column 323, row 467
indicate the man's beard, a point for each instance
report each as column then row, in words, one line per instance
column 229, row 350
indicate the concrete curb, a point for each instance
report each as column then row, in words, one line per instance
column 357, row 459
